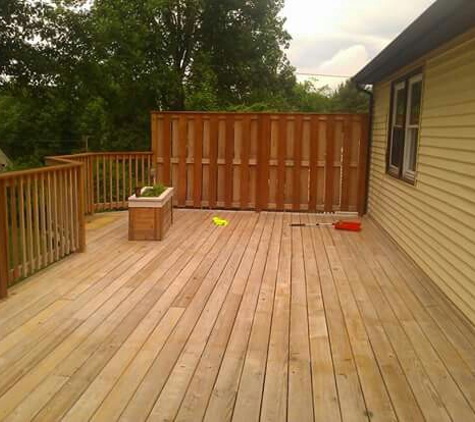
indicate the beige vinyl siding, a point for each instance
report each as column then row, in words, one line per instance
column 434, row 220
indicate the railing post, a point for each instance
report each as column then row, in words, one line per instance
column 4, row 247
column 82, row 207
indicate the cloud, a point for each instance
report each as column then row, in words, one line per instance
column 343, row 35
column 346, row 62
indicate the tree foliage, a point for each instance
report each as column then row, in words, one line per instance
column 71, row 69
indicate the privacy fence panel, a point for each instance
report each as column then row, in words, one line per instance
column 301, row 162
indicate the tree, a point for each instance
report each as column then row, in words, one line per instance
column 347, row 98
column 75, row 68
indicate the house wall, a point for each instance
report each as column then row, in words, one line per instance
column 434, row 220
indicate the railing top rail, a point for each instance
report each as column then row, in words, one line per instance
column 106, row 153
column 48, row 169
column 64, row 162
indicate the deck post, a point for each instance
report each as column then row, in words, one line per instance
column 4, row 249
column 81, row 208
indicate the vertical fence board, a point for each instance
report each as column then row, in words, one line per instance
column 329, row 164
column 297, row 167
column 228, row 157
column 314, row 143
column 245, row 154
column 198, row 162
column 281, row 150
column 182, row 140
column 346, row 157
column 213, row 161
column 262, row 192
column 166, row 148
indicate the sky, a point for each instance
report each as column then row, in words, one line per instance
column 338, row 37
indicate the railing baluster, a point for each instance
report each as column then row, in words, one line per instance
column 116, row 196
column 81, row 211
column 130, row 175
column 43, row 229
column 4, row 257
column 124, row 190
column 14, row 228
column 36, row 222
column 29, row 226
column 49, row 219
column 98, row 186
column 136, row 171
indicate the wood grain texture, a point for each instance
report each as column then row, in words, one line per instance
column 213, row 162
column 269, row 161
column 254, row 321
column 4, row 236
column 198, row 165
column 329, row 164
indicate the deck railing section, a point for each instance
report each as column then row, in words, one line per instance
column 258, row 161
column 263, row 161
column 42, row 211
column 110, row 177
column 41, row 219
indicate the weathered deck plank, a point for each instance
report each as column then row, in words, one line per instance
column 253, row 321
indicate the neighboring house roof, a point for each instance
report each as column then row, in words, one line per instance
column 3, row 159
column 441, row 22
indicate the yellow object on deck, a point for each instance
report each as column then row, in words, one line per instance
column 220, row 221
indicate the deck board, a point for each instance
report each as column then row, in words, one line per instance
column 253, row 321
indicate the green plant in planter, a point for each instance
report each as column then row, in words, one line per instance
column 155, row 191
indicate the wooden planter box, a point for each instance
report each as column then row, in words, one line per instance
column 150, row 218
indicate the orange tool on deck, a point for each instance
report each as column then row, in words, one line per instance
column 352, row 226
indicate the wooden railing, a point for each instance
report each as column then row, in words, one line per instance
column 314, row 162
column 41, row 219
column 214, row 160
column 42, row 211
column 110, row 177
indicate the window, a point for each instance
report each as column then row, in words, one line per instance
column 404, row 135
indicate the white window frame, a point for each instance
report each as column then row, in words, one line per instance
column 406, row 171
column 403, row 171
column 398, row 87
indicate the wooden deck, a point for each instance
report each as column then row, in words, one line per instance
column 254, row 321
